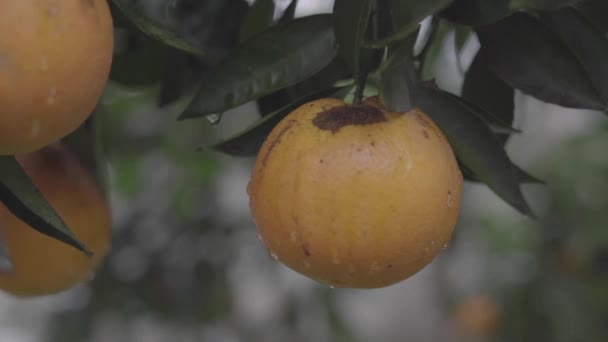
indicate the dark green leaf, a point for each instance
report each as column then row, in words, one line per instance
column 406, row 16
column 277, row 58
column 205, row 28
column 483, row 88
column 474, row 144
column 85, row 143
column 528, row 56
column 290, row 12
column 350, row 19
column 248, row 142
column 181, row 77
column 24, row 200
column 461, row 35
column 540, row 4
column 258, row 19
column 139, row 60
column 588, row 44
column 398, row 74
column 596, row 12
column 522, row 175
column 477, row 12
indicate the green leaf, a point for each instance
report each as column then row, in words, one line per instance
column 248, row 142
column 204, row 28
column 398, row 74
column 259, row 18
column 483, row 88
column 540, row 4
column 477, row 12
column 139, row 59
column 85, row 143
column 350, row 19
column 24, row 200
column 522, row 175
column 474, row 144
column 406, row 16
column 277, row 58
column 595, row 11
column 180, row 78
column 528, row 56
column 587, row 43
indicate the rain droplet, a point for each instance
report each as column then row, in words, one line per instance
column 445, row 246
column 306, row 265
column 449, row 199
column 293, row 236
column 332, row 287
column 260, row 238
column 433, row 243
column 214, row 119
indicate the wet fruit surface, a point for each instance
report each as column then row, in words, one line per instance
column 355, row 196
column 55, row 58
column 40, row 264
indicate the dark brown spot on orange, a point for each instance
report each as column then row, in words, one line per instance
column 389, row 266
column 277, row 140
column 373, row 143
column 425, row 133
column 305, row 249
column 320, row 161
column 422, row 121
column 335, row 118
column 359, row 149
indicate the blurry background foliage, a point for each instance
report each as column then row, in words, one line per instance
column 185, row 263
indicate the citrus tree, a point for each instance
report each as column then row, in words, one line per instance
column 213, row 56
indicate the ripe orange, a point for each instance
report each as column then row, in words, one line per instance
column 477, row 315
column 55, row 58
column 42, row 265
column 355, row 196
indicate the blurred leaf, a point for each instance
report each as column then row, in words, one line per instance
column 398, row 74
column 181, row 77
column 433, row 48
column 477, row 12
column 588, row 44
column 461, row 36
column 540, row 4
column 277, row 58
column 248, row 142
column 205, row 28
column 258, row 19
column 140, row 60
column 350, row 19
column 528, row 56
column 290, row 12
column 474, row 144
column 85, row 143
column 483, row 88
column 522, row 175
column 24, row 200
column 595, row 11
column 406, row 16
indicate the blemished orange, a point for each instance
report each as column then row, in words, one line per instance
column 42, row 265
column 55, row 58
column 355, row 195
column 477, row 315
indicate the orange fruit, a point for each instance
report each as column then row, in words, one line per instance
column 477, row 315
column 355, row 196
column 41, row 264
column 55, row 58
